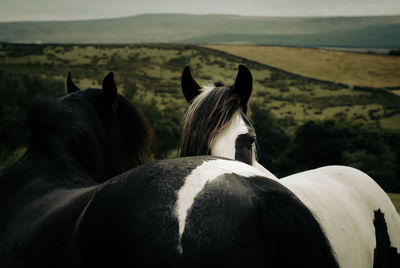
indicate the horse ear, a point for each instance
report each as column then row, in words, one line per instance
column 110, row 90
column 243, row 86
column 71, row 87
column 190, row 88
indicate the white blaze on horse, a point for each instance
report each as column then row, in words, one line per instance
column 346, row 202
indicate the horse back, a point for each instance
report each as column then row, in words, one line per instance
column 352, row 198
column 232, row 219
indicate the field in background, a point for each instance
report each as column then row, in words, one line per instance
column 152, row 73
column 396, row 200
column 354, row 69
column 363, row 132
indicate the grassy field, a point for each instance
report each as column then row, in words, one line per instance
column 152, row 73
column 354, row 69
column 396, row 200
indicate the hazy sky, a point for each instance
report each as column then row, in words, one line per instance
column 17, row 10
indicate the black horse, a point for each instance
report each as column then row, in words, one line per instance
column 77, row 142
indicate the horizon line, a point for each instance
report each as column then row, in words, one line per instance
column 202, row 14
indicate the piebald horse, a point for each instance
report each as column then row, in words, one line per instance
column 65, row 203
column 346, row 202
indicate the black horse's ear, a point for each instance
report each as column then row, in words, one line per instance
column 110, row 90
column 243, row 86
column 71, row 87
column 190, row 88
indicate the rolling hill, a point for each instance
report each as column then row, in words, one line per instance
column 152, row 73
column 353, row 69
column 360, row 32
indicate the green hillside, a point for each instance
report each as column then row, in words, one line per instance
column 365, row 130
column 153, row 72
column 396, row 201
column 361, row 32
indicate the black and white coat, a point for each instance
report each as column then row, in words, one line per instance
column 344, row 201
column 198, row 212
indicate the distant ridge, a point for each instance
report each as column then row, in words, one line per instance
column 360, row 32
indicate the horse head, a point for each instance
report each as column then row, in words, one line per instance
column 216, row 122
column 96, row 129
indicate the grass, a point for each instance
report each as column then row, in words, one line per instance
column 390, row 122
column 152, row 73
column 342, row 67
column 396, row 200
column 150, row 76
column 18, row 153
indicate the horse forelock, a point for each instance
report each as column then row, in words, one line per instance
column 207, row 117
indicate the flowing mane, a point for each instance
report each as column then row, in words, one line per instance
column 208, row 117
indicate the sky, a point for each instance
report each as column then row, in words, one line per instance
column 39, row 10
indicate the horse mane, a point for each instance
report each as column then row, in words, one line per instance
column 70, row 129
column 207, row 117
column 141, row 130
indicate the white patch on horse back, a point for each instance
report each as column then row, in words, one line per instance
column 197, row 179
column 225, row 144
column 343, row 201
